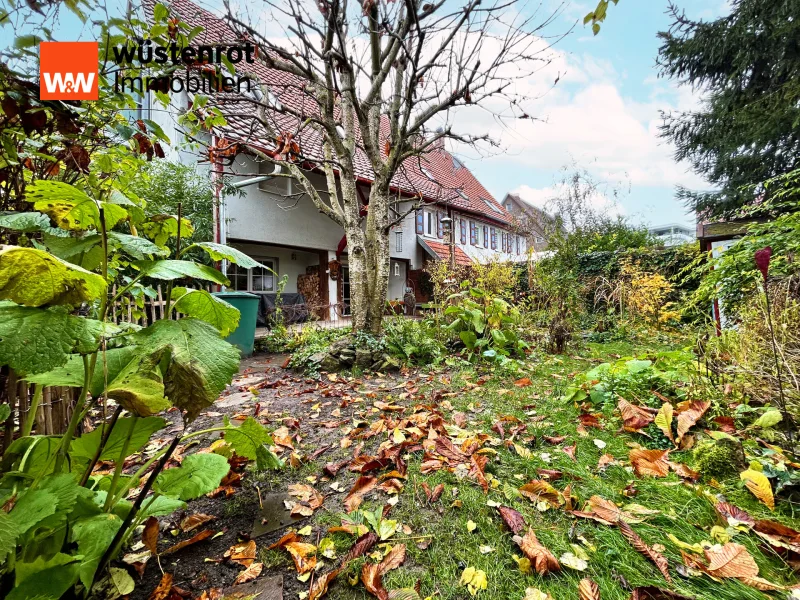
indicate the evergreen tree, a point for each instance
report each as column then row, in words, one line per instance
column 748, row 127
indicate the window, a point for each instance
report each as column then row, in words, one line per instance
column 398, row 241
column 485, row 236
column 427, row 173
column 420, row 222
column 473, row 234
column 257, row 279
column 494, row 238
column 462, row 194
column 457, row 164
column 397, row 269
column 491, row 205
column 430, row 223
column 463, row 232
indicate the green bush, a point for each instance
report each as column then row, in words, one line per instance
column 414, row 342
column 309, row 342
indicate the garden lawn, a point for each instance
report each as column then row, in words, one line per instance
column 463, row 529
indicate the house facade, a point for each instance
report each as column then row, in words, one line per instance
column 276, row 223
column 533, row 223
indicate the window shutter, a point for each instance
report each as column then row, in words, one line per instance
column 463, row 232
column 485, row 236
column 517, row 244
column 439, row 226
column 420, row 222
column 473, row 234
column 494, row 239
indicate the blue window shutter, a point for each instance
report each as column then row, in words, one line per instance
column 420, row 222
column 473, row 234
column 494, row 239
column 463, row 232
column 485, row 236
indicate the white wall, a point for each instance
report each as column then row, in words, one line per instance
column 271, row 217
column 397, row 283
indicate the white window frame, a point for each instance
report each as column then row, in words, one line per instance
column 249, row 272
column 398, row 241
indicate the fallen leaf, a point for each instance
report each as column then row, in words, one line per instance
column 523, row 382
column 150, row 535
column 320, row 586
column 690, row 413
column 730, row 560
column 663, row 420
column 304, row 556
column 638, row 543
column 588, row 590
column 759, row 485
column 650, row 462
column 536, row 594
column 651, row 592
column 541, row 490
column 541, row 558
column 244, row 553
column 604, row 511
column 371, row 578
column 361, row 487
column 733, row 515
column 162, row 590
column 474, row 579
column 634, row 417
column 194, row 521
column 393, row 559
column 249, row 573
column 570, row 451
column 361, row 546
column 512, row 518
column 198, row 537
column 568, row 559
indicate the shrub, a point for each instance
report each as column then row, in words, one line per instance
column 413, row 341
column 310, row 341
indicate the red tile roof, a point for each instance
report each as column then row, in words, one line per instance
column 450, row 182
column 442, row 251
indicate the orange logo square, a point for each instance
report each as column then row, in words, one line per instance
column 68, row 71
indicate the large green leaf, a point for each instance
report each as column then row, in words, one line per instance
column 160, row 506
column 24, row 221
column 202, row 305
column 31, row 455
column 139, row 387
column 109, row 364
column 198, row 475
column 200, row 362
column 34, row 278
column 8, row 535
column 69, row 207
column 93, row 536
column 49, row 584
column 67, row 247
column 85, row 446
column 223, row 252
column 135, row 246
column 72, row 209
column 23, row 570
column 36, row 340
column 179, row 269
column 161, row 228
column 250, row 440
column 35, row 506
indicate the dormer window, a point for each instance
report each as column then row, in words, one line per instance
column 457, row 164
column 273, row 101
column 427, row 173
column 491, row 205
column 462, row 194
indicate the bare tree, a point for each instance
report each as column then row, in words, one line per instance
column 374, row 86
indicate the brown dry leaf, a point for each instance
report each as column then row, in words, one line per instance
column 361, row 546
column 244, row 553
column 605, row 512
column 320, row 587
column 605, row 460
column 361, row 487
column 541, row 490
column 198, row 537
column 634, row 417
column 150, row 535
column 650, row 462
column 306, row 493
column 282, row 437
column 690, row 413
column 541, row 558
column 194, row 521
column 638, row 543
column 589, row 420
column 777, row 534
column 286, row 538
column 733, row 515
column 570, row 451
column 523, row 382
column 371, row 578
column 393, row 559
column 588, row 590
column 512, row 518
column 162, row 590
column 304, row 555
column 730, row 560
column 249, row 573
column 683, row 471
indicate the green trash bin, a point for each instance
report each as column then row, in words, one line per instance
column 244, row 336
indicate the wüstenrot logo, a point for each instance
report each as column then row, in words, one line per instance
column 68, row 71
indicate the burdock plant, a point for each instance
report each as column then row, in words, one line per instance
column 762, row 259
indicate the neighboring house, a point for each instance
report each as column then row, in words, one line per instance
column 276, row 223
column 672, row 234
column 532, row 222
